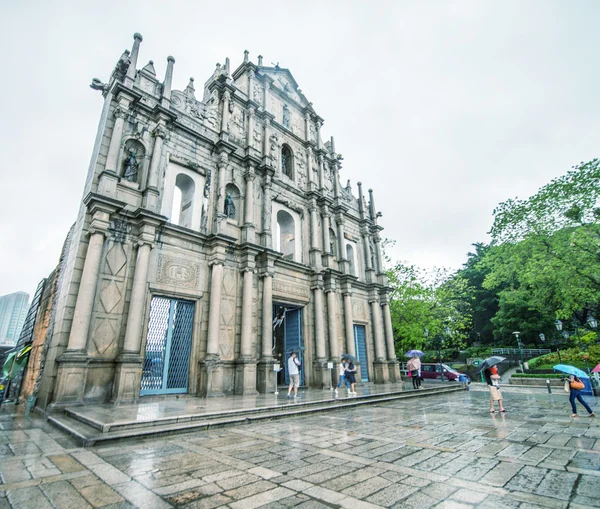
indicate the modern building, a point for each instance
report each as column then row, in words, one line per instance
column 13, row 310
column 213, row 239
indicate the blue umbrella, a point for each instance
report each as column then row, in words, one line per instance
column 414, row 353
column 571, row 370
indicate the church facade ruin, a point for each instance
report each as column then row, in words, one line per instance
column 213, row 239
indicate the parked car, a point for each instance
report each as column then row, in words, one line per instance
column 434, row 371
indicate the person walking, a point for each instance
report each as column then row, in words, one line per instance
column 342, row 378
column 414, row 367
column 350, row 376
column 575, row 387
column 293, row 365
column 492, row 378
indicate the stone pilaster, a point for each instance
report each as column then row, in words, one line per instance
column 321, row 373
column 348, row 320
column 114, row 148
column 249, row 228
column 245, row 377
column 315, row 251
column 343, row 264
column 327, row 258
column 266, row 376
column 221, row 217
column 225, row 111
column 211, row 371
column 334, row 351
column 393, row 364
column 380, row 363
column 267, row 236
column 151, row 193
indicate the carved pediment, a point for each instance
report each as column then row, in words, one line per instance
column 285, row 83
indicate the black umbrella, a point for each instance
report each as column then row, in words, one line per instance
column 489, row 362
column 349, row 357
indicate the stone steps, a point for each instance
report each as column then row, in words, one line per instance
column 88, row 431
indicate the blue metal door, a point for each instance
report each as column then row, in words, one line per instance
column 293, row 340
column 168, row 346
column 360, row 344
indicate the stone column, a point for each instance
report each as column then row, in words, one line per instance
column 266, row 95
column 378, row 262
column 72, row 365
column 369, row 270
column 311, row 177
column 349, row 323
column 245, row 380
column 334, row 353
column 250, row 132
column 336, row 180
column 319, row 144
column 211, row 372
column 114, row 149
column 315, row 252
column 379, row 364
column 225, row 111
column 151, row 194
column 320, row 362
column 221, row 217
column 343, row 264
column 128, row 371
column 129, row 78
column 321, row 173
column 133, row 331
column 307, row 126
column 265, row 148
column 267, row 206
column 393, row 366
column 251, row 84
column 248, row 233
column 266, row 376
column 326, row 240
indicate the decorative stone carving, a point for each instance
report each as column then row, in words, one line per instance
column 286, row 117
column 177, row 272
column 119, row 229
column 237, row 125
column 229, row 206
column 258, row 93
column 313, row 133
column 359, row 311
column 287, row 288
column 116, row 258
column 273, row 150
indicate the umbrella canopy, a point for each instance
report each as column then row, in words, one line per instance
column 571, row 370
column 349, row 357
column 489, row 362
column 8, row 364
column 414, row 353
column 596, row 369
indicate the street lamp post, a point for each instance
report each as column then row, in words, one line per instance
column 558, row 324
column 439, row 343
column 520, row 351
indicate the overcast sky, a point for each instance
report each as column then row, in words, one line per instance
column 444, row 108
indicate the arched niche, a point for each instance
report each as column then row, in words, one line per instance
column 287, row 162
column 133, row 160
column 232, row 203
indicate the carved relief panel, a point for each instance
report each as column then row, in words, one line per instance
column 110, row 299
column 228, row 314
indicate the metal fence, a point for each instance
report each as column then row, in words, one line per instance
column 527, row 352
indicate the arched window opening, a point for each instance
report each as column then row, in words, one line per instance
column 287, row 162
column 286, row 234
column 232, row 202
column 183, row 201
column 332, row 243
column 350, row 257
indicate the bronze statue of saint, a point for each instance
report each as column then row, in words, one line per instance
column 229, row 206
column 131, row 166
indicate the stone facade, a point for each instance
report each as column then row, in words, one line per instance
column 201, row 220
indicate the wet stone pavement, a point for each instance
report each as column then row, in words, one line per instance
column 443, row 451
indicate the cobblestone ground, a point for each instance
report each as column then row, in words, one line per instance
column 442, row 452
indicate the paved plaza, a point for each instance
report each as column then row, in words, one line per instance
column 443, row 451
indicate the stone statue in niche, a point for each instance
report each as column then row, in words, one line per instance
column 256, row 138
column 372, row 248
column 229, row 206
column 131, row 166
column 286, row 116
column 257, row 93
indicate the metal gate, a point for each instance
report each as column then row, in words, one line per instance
column 293, row 340
column 361, row 351
column 168, row 346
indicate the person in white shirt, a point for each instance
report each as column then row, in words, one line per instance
column 293, row 365
column 342, row 374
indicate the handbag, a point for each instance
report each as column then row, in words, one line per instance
column 577, row 385
column 567, row 387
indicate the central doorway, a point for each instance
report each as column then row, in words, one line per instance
column 287, row 338
column 168, row 347
column 360, row 345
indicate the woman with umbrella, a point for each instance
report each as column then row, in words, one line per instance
column 414, row 367
column 350, row 373
column 575, row 387
column 490, row 373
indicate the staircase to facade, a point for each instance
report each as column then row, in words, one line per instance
column 89, row 430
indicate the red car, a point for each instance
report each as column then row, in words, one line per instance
column 433, row 371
